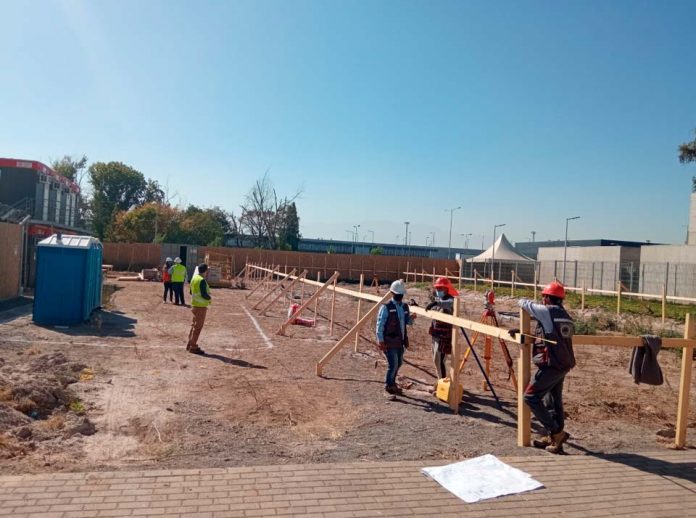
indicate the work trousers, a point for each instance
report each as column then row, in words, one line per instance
column 439, row 345
column 178, row 288
column 196, row 326
column 168, row 290
column 544, row 395
column 395, row 358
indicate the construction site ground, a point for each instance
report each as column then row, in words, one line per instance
column 122, row 393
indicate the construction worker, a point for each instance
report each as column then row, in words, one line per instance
column 178, row 273
column 552, row 352
column 441, row 332
column 200, row 300
column 167, row 280
column 392, row 335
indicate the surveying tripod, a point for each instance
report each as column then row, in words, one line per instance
column 489, row 317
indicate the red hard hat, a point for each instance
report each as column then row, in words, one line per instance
column 554, row 289
column 442, row 282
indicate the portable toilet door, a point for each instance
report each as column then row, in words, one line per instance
column 68, row 279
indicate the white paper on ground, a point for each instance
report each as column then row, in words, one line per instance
column 480, row 478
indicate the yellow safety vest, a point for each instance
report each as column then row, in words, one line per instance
column 178, row 273
column 197, row 300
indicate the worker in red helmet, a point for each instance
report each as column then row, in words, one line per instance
column 552, row 353
column 441, row 332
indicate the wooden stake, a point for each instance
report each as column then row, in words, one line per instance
column 685, row 383
column 355, row 329
column 317, row 300
column 300, row 278
column 536, row 280
column 269, row 293
column 454, row 397
column 302, row 293
column 512, row 284
column 269, row 275
column 333, row 307
column 618, row 298
column 281, row 329
column 524, row 423
column 582, row 296
column 664, row 303
column 360, row 289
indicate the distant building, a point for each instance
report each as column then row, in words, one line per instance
column 45, row 203
column 531, row 249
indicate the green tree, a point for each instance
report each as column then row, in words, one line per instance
column 289, row 232
column 378, row 250
column 148, row 223
column 200, row 227
column 71, row 168
column 687, row 154
column 153, row 192
column 117, row 187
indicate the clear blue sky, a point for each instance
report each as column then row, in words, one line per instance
column 522, row 112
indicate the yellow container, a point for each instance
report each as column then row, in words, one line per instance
column 443, row 390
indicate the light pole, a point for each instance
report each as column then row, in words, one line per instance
column 466, row 240
column 427, row 238
column 495, row 227
column 373, row 236
column 449, row 245
column 432, row 240
column 565, row 245
column 533, row 235
column 349, row 235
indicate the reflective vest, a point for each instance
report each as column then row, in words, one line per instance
column 393, row 338
column 560, row 354
column 178, row 273
column 197, row 300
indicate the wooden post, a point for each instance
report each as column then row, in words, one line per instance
column 269, row 293
column 302, row 294
column 333, row 307
column 618, row 298
column 536, row 280
column 582, row 296
column 475, row 280
column 664, row 303
column 268, row 276
column 454, row 397
column 524, row 423
column 300, row 278
column 685, row 384
column 281, row 329
column 459, row 275
column 408, row 269
column 512, row 284
column 355, row 329
column 316, row 300
column 360, row 290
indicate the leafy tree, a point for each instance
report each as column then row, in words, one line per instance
column 153, row 192
column 71, row 168
column 148, row 223
column 289, row 233
column 378, row 250
column 687, row 154
column 116, row 187
column 201, row 227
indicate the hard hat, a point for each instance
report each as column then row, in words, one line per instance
column 398, row 287
column 177, row 260
column 168, row 260
column 554, row 289
column 444, row 282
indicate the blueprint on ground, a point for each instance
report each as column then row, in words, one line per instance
column 481, row 478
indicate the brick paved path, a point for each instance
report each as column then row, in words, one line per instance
column 657, row 485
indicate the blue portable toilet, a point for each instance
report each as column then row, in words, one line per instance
column 68, row 279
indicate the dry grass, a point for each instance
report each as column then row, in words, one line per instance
column 54, row 423
column 6, row 394
column 25, row 405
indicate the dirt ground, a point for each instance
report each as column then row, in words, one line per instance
column 122, row 392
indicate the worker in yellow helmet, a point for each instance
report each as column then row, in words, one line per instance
column 200, row 300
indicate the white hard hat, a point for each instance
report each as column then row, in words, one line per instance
column 168, row 260
column 177, row 260
column 398, row 287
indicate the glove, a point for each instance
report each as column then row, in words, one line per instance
column 513, row 332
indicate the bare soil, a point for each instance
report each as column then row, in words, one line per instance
column 122, row 392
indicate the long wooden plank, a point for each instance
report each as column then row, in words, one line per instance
column 316, row 294
column 351, row 333
column 685, row 384
column 360, row 290
column 260, row 284
column 524, row 421
column 283, row 291
column 270, row 292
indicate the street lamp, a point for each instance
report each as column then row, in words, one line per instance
column 373, row 236
column 427, row 238
column 466, row 240
column 565, row 245
column 449, row 245
column 495, row 227
column 432, row 240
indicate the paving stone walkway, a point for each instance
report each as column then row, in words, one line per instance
column 661, row 484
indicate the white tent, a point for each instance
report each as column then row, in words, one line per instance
column 504, row 252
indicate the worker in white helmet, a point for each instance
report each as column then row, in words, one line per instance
column 392, row 335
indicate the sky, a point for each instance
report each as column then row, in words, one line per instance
column 522, row 113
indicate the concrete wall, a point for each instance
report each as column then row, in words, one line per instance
column 10, row 260
column 669, row 266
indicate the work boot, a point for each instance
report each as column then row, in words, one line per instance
column 557, row 440
column 542, row 442
column 198, row 351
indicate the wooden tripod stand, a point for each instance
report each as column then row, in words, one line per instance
column 489, row 317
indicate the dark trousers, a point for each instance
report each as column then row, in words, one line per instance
column 544, row 395
column 439, row 345
column 178, row 288
column 196, row 327
column 168, row 290
column 395, row 357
